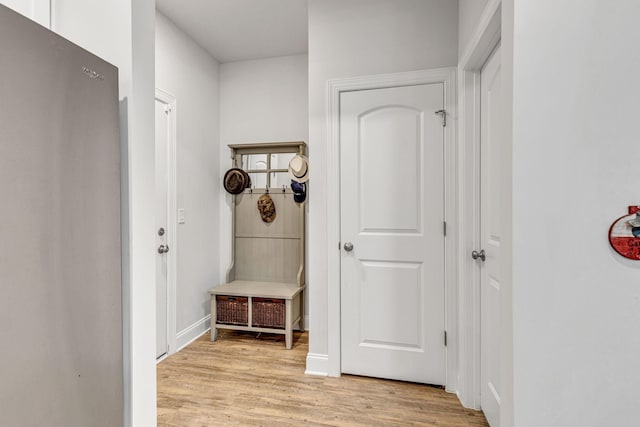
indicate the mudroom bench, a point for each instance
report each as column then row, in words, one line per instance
column 257, row 306
column 265, row 283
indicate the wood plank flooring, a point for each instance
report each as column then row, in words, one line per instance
column 248, row 380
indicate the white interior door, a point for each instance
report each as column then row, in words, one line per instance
column 392, row 210
column 492, row 233
column 162, row 185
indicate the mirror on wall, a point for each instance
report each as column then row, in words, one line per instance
column 254, row 162
column 278, row 179
column 268, row 170
column 281, row 160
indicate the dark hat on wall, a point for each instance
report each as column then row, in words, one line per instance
column 236, row 180
column 267, row 208
column 299, row 191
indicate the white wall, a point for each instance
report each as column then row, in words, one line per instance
column 507, row 307
column 576, row 303
column 353, row 38
column 264, row 100
column 37, row 10
column 121, row 32
column 190, row 74
column 469, row 12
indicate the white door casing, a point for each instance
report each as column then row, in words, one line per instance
column 447, row 76
column 473, row 57
column 162, row 205
column 392, row 204
column 492, row 233
column 166, row 208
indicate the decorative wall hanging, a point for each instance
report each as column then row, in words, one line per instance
column 267, row 208
column 624, row 234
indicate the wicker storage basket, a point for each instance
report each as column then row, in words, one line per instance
column 268, row 313
column 232, row 310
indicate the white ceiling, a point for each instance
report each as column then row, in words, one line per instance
column 235, row 30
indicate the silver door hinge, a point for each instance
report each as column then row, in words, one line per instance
column 338, row 245
column 443, row 113
column 445, row 338
column 444, row 227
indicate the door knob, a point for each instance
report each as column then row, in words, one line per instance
column 482, row 255
column 163, row 249
column 348, row 246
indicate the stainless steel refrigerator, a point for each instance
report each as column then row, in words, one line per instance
column 60, row 250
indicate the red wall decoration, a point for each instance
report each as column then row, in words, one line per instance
column 624, row 234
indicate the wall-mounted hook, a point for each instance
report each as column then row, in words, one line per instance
column 284, row 188
column 267, row 189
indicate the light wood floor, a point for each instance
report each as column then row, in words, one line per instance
column 241, row 380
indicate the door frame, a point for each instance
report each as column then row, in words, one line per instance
column 172, row 240
column 486, row 37
column 446, row 76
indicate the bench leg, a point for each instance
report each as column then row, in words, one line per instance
column 301, row 323
column 214, row 317
column 288, row 337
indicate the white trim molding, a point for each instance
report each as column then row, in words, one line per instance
column 172, row 239
column 447, row 76
column 317, row 364
column 486, row 37
column 193, row 332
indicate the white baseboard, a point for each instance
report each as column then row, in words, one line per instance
column 317, row 364
column 193, row 332
column 296, row 326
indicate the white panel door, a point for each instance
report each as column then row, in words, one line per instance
column 162, row 185
column 392, row 192
column 492, row 233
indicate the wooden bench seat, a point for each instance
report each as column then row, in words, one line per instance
column 291, row 293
